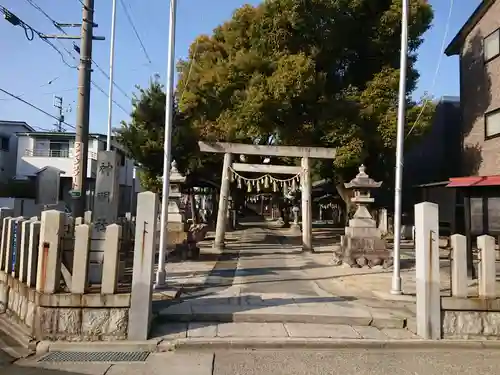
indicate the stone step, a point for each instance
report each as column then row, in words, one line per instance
column 208, row 333
column 318, row 314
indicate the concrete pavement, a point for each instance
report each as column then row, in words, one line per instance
column 283, row 362
column 262, row 279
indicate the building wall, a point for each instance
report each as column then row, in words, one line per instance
column 480, row 93
column 33, row 154
column 429, row 160
column 8, row 158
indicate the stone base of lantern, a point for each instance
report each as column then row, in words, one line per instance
column 363, row 251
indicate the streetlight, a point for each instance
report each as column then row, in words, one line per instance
column 169, row 117
column 396, row 276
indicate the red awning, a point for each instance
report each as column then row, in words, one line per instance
column 473, row 181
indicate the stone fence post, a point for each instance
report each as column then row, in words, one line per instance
column 459, row 266
column 487, row 270
column 144, row 257
column 79, row 279
column 49, row 252
column 5, row 214
column 427, row 270
column 33, row 246
column 111, row 259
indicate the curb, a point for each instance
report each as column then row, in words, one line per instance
column 319, row 343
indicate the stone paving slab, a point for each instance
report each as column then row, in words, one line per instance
column 176, row 331
column 258, row 309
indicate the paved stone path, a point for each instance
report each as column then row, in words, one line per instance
column 264, row 281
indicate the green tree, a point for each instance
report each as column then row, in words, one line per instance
column 311, row 73
column 143, row 137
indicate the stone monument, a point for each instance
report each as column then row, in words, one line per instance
column 363, row 244
column 105, row 209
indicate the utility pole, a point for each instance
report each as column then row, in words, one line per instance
column 403, row 66
column 79, row 189
column 58, row 103
column 86, row 37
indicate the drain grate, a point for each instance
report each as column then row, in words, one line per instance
column 95, row 357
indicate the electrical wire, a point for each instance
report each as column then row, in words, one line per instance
column 44, row 93
column 56, row 25
column 127, row 14
column 34, row 106
column 438, row 66
column 191, row 65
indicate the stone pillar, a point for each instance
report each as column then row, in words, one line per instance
column 144, row 257
column 459, row 266
column 306, row 205
column 4, row 214
column 427, row 271
column 49, row 252
column 220, row 230
column 6, row 243
column 87, row 217
column 33, row 246
column 17, row 234
column 487, row 270
column 24, row 249
column 105, row 210
column 79, row 281
column 111, row 259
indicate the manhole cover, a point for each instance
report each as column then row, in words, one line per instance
column 95, row 357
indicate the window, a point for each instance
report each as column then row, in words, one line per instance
column 491, row 45
column 492, row 123
column 59, row 148
column 4, row 144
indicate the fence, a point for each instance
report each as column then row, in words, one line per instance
column 472, row 310
column 45, row 284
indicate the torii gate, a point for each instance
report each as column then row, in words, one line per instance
column 305, row 153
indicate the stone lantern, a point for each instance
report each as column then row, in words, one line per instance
column 362, row 244
column 176, row 225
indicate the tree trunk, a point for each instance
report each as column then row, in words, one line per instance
column 346, row 197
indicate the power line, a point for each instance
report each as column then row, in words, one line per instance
column 34, row 106
column 45, row 93
column 127, row 14
column 105, row 93
column 438, row 66
column 57, row 25
column 30, row 31
column 16, row 21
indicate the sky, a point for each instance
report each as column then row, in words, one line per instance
column 36, row 72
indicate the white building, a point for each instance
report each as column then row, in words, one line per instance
column 24, row 152
column 37, row 150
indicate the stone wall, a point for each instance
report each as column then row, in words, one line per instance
column 64, row 316
column 476, row 325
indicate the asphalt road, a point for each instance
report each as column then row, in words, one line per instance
column 285, row 362
column 369, row 362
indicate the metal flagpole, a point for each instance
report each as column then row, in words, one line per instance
column 111, row 72
column 169, row 112
column 396, row 276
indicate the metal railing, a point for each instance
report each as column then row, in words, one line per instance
column 55, row 153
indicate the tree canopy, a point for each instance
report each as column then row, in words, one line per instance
column 311, row 73
column 143, row 136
